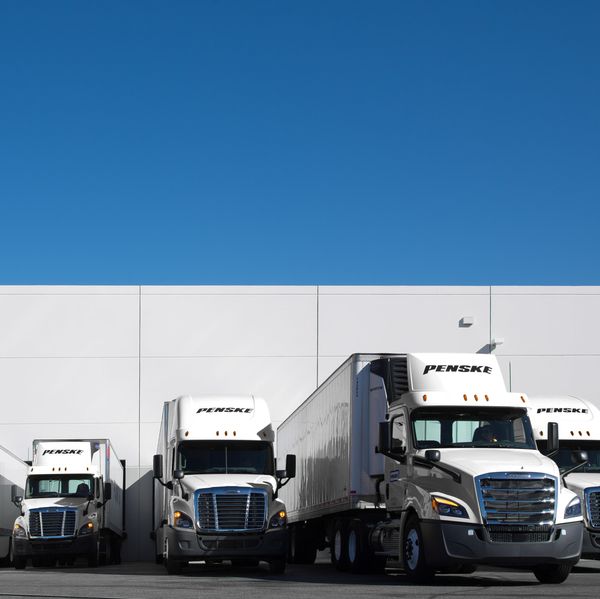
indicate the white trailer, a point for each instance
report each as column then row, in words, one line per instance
column 74, row 504
column 219, row 501
column 456, row 480
column 578, row 430
column 13, row 472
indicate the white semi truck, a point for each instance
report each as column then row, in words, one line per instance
column 578, row 430
column 73, row 506
column 216, row 496
column 455, row 481
column 13, row 472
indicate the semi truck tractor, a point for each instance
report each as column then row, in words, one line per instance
column 216, row 492
column 428, row 460
column 578, row 430
column 73, row 506
column 13, row 472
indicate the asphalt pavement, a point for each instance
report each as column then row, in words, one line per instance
column 149, row 581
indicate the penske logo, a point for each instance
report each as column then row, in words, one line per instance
column 63, row 451
column 562, row 410
column 226, row 410
column 457, row 368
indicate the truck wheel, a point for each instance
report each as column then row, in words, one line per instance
column 36, row 562
column 115, row 550
column 172, row 566
column 339, row 545
column 104, row 554
column 552, row 574
column 413, row 552
column 277, row 566
column 20, row 563
column 358, row 547
column 303, row 549
column 94, row 557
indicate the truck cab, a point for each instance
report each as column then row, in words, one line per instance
column 465, row 482
column 578, row 430
column 216, row 491
column 71, row 507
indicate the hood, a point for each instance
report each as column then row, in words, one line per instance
column 580, row 481
column 482, row 460
column 63, row 502
column 193, row 482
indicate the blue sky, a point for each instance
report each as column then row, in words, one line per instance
column 309, row 142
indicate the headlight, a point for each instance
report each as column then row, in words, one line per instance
column 86, row 529
column 447, row 507
column 181, row 520
column 19, row 531
column 278, row 520
column 573, row 509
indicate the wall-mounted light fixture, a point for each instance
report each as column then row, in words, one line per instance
column 466, row 321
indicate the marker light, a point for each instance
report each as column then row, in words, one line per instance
column 487, row 398
column 424, row 397
column 465, row 397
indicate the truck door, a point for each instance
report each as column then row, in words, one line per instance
column 396, row 467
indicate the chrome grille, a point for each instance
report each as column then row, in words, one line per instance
column 517, row 507
column 231, row 509
column 592, row 497
column 52, row 523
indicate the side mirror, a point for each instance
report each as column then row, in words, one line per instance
column 16, row 498
column 290, row 465
column 433, row 455
column 552, row 443
column 157, row 466
column 178, row 474
column 107, row 491
column 384, row 444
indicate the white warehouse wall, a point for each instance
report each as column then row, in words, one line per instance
column 100, row 361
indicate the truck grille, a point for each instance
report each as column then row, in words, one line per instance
column 517, row 507
column 592, row 497
column 231, row 509
column 53, row 522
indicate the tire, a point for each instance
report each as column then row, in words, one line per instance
column 94, row 557
column 552, row 574
column 36, row 562
column 339, row 545
column 115, row 550
column 104, row 552
column 172, row 566
column 19, row 563
column 277, row 566
column 303, row 549
column 413, row 552
column 358, row 547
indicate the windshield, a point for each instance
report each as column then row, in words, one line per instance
column 564, row 456
column 472, row 427
column 60, row 485
column 225, row 457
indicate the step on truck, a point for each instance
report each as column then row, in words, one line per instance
column 73, row 506
column 216, row 486
column 578, row 430
column 13, row 472
column 428, row 460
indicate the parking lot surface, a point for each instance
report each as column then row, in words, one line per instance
column 149, row 581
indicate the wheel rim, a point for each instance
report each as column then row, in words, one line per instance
column 352, row 546
column 337, row 545
column 411, row 549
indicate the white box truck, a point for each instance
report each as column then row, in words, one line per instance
column 13, row 472
column 219, row 500
column 578, row 430
column 456, row 479
column 73, row 506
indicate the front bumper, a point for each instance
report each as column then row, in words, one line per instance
column 70, row 546
column 448, row 544
column 591, row 544
column 187, row 545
